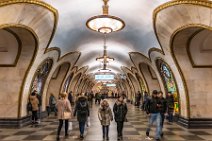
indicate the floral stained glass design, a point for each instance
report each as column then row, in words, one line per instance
column 170, row 83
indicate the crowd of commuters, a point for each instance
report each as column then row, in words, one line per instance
column 156, row 106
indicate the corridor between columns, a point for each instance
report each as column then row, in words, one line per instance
column 134, row 129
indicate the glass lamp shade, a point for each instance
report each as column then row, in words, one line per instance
column 105, row 24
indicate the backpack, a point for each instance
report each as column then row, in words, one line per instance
column 83, row 108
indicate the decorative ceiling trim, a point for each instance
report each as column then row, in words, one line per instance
column 154, row 49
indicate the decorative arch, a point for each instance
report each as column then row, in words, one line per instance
column 40, row 77
column 165, row 31
column 153, row 84
column 57, row 79
column 169, row 82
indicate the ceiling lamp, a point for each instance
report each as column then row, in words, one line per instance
column 105, row 58
column 105, row 23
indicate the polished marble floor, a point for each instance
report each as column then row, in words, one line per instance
column 134, row 130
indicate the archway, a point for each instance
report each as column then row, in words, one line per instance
column 67, row 82
column 150, row 77
column 17, row 52
column 40, row 77
column 191, row 49
column 141, row 83
column 56, row 81
column 169, row 82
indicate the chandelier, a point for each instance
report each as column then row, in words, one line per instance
column 105, row 59
column 105, row 23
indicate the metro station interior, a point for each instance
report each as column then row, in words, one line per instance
column 114, row 47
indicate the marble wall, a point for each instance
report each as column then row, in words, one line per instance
column 198, row 79
column 12, row 77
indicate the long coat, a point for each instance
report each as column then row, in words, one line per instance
column 120, row 111
column 34, row 101
column 62, row 105
column 82, row 117
column 105, row 115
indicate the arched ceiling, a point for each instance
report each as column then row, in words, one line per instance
column 72, row 33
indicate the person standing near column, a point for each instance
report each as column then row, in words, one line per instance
column 170, row 104
column 120, row 112
column 105, row 116
column 152, row 109
column 34, row 102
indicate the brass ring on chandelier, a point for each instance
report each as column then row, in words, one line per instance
column 107, row 29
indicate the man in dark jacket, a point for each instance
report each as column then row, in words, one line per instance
column 152, row 109
column 82, row 112
column 120, row 112
column 162, row 108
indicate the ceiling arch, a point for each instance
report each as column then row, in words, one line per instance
column 73, row 35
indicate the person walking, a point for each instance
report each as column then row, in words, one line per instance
column 105, row 116
column 170, row 104
column 35, row 106
column 70, row 97
column 63, row 106
column 82, row 112
column 145, row 100
column 52, row 105
column 152, row 109
column 120, row 112
column 163, row 109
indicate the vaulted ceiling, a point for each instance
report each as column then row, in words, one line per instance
column 73, row 35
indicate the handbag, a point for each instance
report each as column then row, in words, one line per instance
column 66, row 114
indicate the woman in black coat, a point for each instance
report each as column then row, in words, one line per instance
column 82, row 112
column 120, row 112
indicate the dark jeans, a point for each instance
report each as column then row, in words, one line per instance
column 61, row 125
column 120, row 125
column 82, row 127
column 170, row 116
column 34, row 116
column 105, row 130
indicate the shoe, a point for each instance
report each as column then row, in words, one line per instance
column 107, row 139
column 161, row 134
column 66, row 136
column 147, row 134
column 81, row 137
column 157, row 139
column 58, row 138
column 148, row 138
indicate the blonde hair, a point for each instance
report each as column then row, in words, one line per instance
column 63, row 95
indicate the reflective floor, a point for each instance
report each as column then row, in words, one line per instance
column 134, row 130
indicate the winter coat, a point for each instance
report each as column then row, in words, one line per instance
column 120, row 111
column 163, row 105
column 170, row 103
column 82, row 109
column 152, row 105
column 62, row 105
column 105, row 115
column 35, row 102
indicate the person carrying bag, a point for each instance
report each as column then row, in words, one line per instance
column 64, row 114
